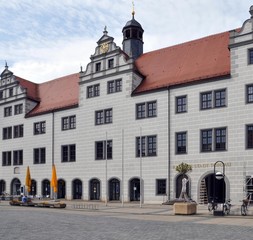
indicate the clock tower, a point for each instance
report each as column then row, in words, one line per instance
column 133, row 38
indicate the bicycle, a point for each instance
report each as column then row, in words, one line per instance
column 227, row 206
column 244, row 207
column 212, row 206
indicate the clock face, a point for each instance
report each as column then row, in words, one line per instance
column 104, row 47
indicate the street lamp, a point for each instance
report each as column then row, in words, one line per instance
column 219, row 176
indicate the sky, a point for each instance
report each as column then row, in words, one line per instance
column 45, row 39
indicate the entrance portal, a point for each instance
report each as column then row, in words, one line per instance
column 135, row 189
column 211, row 187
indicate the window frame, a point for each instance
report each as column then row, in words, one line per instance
column 104, row 150
column 249, row 142
column 68, row 153
column 250, row 56
column 148, row 148
column 6, row 158
column 41, row 129
column 39, row 155
column 102, row 116
column 181, row 107
column 93, row 91
column 18, row 131
column 143, row 110
column 182, row 141
column 161, row 187
column 18, row 109
column 98, row 66
column 7, row 133
column 213, row 143
column 249, row 96
column 114, row 86
column 8, row 111
column 68, row 123
column 110, row 63
column 17, row 157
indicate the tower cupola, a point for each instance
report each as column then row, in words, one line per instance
column 133, row 38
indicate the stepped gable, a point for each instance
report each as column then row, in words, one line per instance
column 60, row 93
column 188, row 62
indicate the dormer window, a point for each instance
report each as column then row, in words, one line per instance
column 98, row 67
column 10, row 92
column 111, row 63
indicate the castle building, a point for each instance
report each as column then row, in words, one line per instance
column 117, row 130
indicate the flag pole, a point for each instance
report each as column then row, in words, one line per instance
column 106, row 169
column 140, row 167
column 122, row 168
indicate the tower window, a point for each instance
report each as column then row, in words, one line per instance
column 140, row 35
column 134, row 33
column 127, row 34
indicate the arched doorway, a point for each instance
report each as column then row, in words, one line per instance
column 135, row 189
column 2, row 186
column 15, row 186
column 61, row 188
column 114, row 190
column 46, row 190
column 179, row 179
column 94, row 189
column 33, row 188
column 211, row 187
column 77, row 187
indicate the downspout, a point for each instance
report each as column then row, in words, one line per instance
column 52, row 138
column 168, row 194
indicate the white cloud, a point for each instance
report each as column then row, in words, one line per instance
column 45, row 39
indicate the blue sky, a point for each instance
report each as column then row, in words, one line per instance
column 45, row 39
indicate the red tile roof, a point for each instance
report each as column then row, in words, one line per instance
column 196, row 60
column 192, row 61
column 54, row 95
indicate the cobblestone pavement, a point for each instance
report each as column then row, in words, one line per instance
column 96, row 221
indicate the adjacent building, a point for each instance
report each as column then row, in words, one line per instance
column 117, row 130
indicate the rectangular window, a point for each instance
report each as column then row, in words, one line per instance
column 148, row 146
column 18, row 157
column 103, row 116
column 18, row 131
column 69, row 122
column 250, row 56
column 7, row 111
column 69, row 153
column 39, row 155
column 181, row 140
column 249, row 136
column 98, row 67
column 220, row 139
column 6, row 158
column 249, row 94
column 206, row 140
column 7, row 133
column 93, row 91
column 146, row 110
column 181, row 104
column 114, row 86
column 214, row 139
column 39, row 128
column 220, row 98
column 111, row 63
column 103, row 150
column 18, row 109
column 206, row 100
column 1, row 94
column 160, row 186
column 213, row 99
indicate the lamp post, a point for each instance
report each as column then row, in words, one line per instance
column 219, row 176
